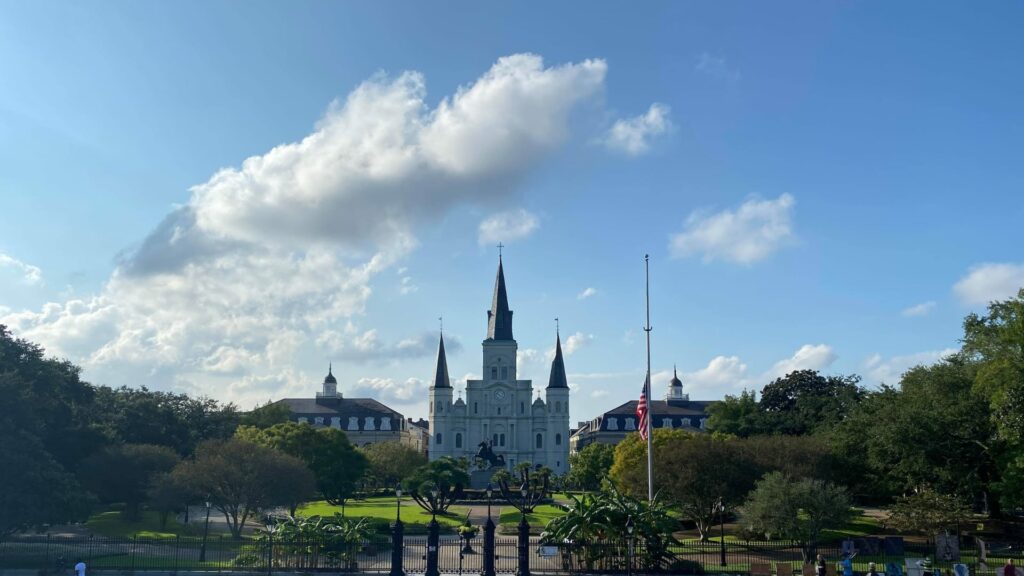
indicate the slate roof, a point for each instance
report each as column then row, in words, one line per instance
column 343, row 407
column 664, row 408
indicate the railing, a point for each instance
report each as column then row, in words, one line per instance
column 56, row 555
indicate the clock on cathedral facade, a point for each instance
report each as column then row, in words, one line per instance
column 499, row 409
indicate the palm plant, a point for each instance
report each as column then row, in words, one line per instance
column 594, row 527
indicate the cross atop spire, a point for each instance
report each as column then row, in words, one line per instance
column 500, row 246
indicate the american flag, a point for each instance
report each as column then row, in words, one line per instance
column 641, row 411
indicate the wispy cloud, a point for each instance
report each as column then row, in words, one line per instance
column 29, row 273
column 633, row 136
column 717, row 67
column 750, row 233
column 922, row 309
column 587, row 293
column 507, row 227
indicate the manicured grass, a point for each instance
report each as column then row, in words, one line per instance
column 112, row 523
column 538, row 519
column 383, row 509
column 859, row 525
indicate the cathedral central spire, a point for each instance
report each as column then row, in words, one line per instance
column 499, row 317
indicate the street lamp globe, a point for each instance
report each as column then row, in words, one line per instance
column 398, row 490
column 629, row 525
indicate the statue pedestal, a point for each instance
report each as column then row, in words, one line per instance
column 479, row 479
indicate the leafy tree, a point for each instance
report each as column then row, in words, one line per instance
column 927, row 512
column 143, row 416
column 391, row 462
column 242, row 478
column 46, row 399
column 804, row 401
column 591, row 465
column 46, row 427
column 446, row 474
column 335, row 463
column 266, row 415
column 796, row 509
column 316, row 542
column 932, row 431
column 737, row 415
column 168, row 495
column 794, row 456
column 994, row 342
column 693, row 472
column 34, row 488
column 124, row 473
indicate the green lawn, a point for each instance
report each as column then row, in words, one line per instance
column 112, row 523
column 538, row 519
column 383, row 510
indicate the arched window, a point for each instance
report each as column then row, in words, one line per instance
column 502, row 440
column 438, row 439
column 494, row 373
column 540, row 441
column 475, row 408
column 558, row 439
column 558, row 406
column 494, row 440
column 522, row 407
column 458, row 440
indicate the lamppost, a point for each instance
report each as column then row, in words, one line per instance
column 270, row 543
column 397, row 536
column 629, row 545
column 721, row 528
column 206, row 530
column 524, row 533
column 529, row 497
column 488, row 564
column 433, row 534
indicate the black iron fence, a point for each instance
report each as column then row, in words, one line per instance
column 57, row 555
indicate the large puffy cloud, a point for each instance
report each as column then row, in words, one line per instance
column 276, row 258
column 990, row 282
column 750, row 233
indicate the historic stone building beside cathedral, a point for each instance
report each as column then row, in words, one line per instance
column 500, row 409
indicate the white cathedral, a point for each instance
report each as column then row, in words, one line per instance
column 499, row 409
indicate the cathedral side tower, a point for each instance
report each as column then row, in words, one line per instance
column 441, row 438
column 557, row 394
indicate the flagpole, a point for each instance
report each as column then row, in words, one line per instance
column 647, row 384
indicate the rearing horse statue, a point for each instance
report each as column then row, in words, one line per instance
column 486, row 454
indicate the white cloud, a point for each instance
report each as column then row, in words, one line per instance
column 573, row 343
column 922, row 309
column 748, row 234
column 633, row 136
column 986, row 283
column 729, row 375
column 879, row 370
column 406, row 286
column 598, row 393
column 526, row 356
column 29, row 274
column 717, row 67
column 387, row 390
column 587, row 293
column 808, row 357
column 227, row 294
column 507, row 227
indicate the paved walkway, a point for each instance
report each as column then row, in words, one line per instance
column 478, row 514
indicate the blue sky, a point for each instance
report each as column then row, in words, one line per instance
column 831, row 185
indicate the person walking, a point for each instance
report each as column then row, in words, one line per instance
column 79, row 568
column 820, row 567
column 1010, row 569
column 872, row 570
column 847, row 564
